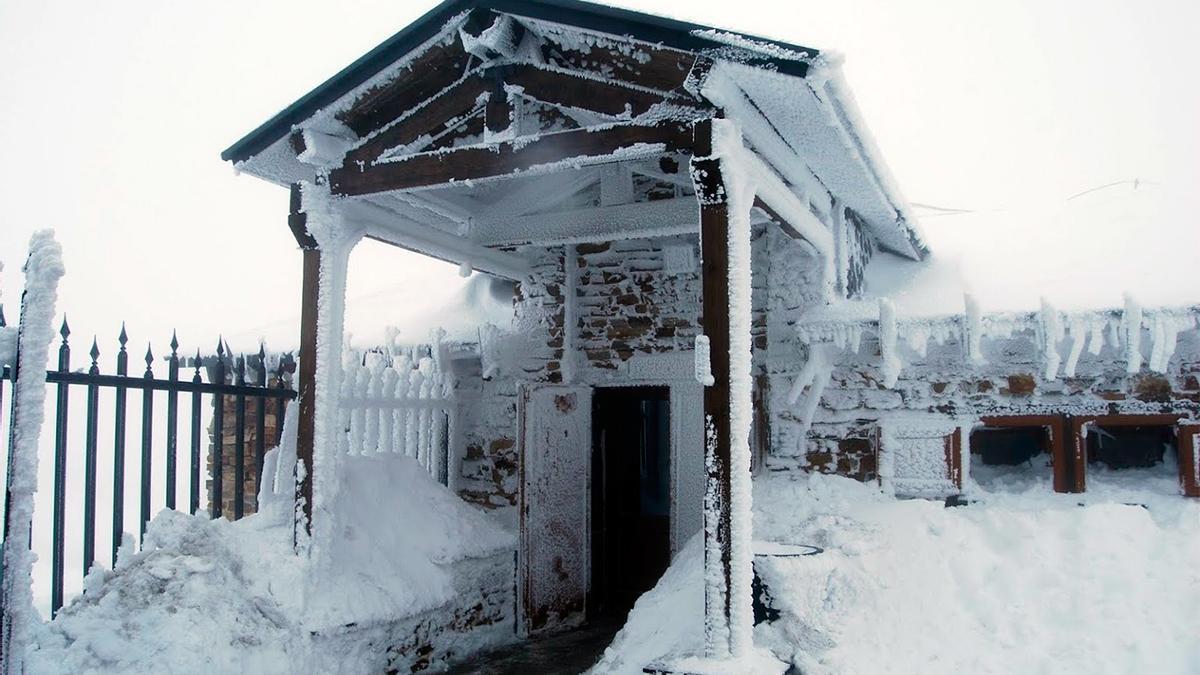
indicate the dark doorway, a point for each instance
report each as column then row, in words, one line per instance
column 631, row 495
column 1131, row 447
column 1011, row 457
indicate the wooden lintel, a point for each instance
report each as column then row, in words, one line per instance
column 523, row 154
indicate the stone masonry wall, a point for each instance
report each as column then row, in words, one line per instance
column 845, row 434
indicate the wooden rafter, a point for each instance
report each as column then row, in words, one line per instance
column 462, row 99
column 523, row 154
column 431, row 72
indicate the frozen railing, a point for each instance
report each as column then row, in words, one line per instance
column 398, row 403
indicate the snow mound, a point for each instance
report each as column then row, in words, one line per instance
column 211, row 596
column 1014, row 583
column 396, row 533
column 199, row 598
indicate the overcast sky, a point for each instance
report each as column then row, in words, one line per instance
column 114, row 115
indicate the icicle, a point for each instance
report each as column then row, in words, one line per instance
column 917, row 337
column 972, row 330
column 1133, row 335
column 822, row 371
column 1052, row 333
column 1079, row 330
column 889, row 360
column 703, row 357
column 1096, row 343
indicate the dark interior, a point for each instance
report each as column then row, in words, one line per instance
column 1129, row 447
column 631, row 495
column 1008, row 446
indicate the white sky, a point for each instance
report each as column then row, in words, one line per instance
column 115, row 113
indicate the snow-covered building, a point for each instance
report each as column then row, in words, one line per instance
column 712, row 274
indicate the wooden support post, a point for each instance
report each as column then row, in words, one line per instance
column 305, row 432
column 714, row 253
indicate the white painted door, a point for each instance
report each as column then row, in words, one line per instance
column 556, row 453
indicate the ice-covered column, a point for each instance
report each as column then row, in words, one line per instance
column 43, row 269
column 327, row 239
column 726, row 196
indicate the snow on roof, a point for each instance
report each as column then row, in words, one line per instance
column 1083, row 253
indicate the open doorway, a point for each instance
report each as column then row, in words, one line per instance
column 631, row 495
column 1139, row 456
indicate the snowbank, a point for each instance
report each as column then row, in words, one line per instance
column 1015, row 583
column 218, row 597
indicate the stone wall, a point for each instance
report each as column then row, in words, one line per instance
column 271, row 427
column 481, row 617
column 937, row 383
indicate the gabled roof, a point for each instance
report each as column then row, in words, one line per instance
column 780, row 56
column 421, row 92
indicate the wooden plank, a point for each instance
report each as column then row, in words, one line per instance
column 714, row 253
column 953, row 450
column 645, row 66
column 1189, row 473
column 564, row 88
column 491, row 161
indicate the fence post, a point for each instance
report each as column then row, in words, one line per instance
column 172, row 419
column 43, row 269
column 118, row 515
column 89, row 468
column 58, row 528
column 147, row 445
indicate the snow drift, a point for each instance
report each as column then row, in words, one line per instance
column 1029, row 582
column 211, row 596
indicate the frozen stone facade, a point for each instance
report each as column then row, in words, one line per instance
column 941, row 392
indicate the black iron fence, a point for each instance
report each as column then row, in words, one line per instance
column 250, row 388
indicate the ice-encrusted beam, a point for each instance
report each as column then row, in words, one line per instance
column 525, row 154
column 397, row 229
column 663, row 217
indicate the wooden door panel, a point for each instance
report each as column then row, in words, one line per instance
column 555, row 467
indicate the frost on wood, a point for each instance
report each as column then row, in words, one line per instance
column 43, row 269
column 335, row 239
column 727, row 145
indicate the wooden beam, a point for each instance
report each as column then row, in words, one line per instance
column 458, row 101
column 647, row 66
column 431, row 72
column 430, row 118
column 566, row 88
column 306, row 427
column 660, row 218
column 522, row 154
column 542, row 192
column 396, row 229
column 714, row 253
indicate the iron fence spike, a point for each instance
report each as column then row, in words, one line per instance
column 95, row 351
column 174, row 342
column 65, row 330
column 123, row 337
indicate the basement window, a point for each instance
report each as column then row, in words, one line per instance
column 1010, row 458
column 1145, row 455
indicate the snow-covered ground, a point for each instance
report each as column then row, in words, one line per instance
column 211, row 596
column 1017, row 582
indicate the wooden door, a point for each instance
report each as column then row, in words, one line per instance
column 556, row 440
